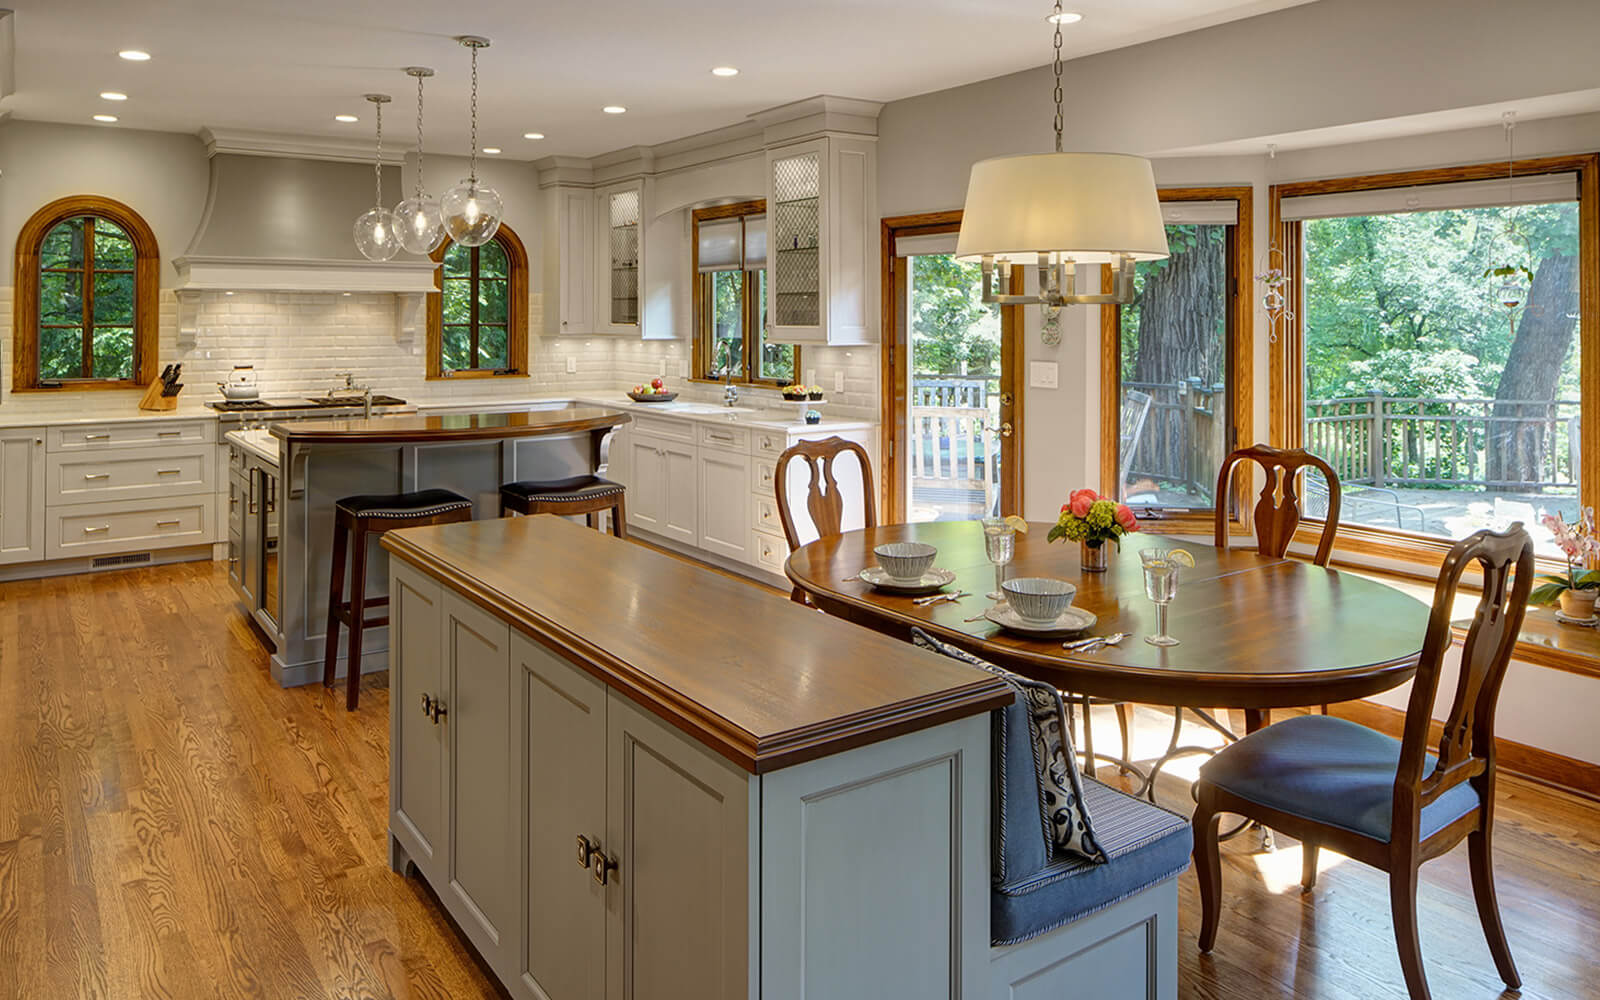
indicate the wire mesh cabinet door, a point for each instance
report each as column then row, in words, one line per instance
column 620, row 217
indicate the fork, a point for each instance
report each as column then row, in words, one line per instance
column 1095, row 643
column 923, row 602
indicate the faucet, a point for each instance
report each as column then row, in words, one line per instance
column 351, row 387
column 730, row 392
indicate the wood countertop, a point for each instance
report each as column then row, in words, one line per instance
column 413, row 427
column 757, row 678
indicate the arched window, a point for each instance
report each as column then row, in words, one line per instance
column 87, row 281
column 478, row 323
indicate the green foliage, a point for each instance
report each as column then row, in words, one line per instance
column 951, row 327
column 1399, row 372
column 493, row 292
column 727, row 323
column 61, row 301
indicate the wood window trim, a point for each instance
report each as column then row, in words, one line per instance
column 516, row 312
column 1241, row 366
column 700, row 347
column 1417, row 553
column 146, row 294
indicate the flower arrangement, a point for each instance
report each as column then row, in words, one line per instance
column 1092, row 519
column 1580, row 545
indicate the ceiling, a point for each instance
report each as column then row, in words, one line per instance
column 291, row 65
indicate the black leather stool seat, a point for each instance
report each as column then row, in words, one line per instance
column 423, row 503
column 577, row 488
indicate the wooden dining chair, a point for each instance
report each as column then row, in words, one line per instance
column 1385, row 802
column 1277, row 513
column 824, row 503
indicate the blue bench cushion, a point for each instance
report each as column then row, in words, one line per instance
column 1145, row 845
column 1057, row 786
column 1329, row 770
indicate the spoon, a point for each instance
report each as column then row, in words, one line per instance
column 923, row 602
column 1095, row 642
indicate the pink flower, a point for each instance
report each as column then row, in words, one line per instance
column 1081, row 501
column 1126, row 519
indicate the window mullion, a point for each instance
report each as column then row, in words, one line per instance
column 86, row 298
column 472, row 311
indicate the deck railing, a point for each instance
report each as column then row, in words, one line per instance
column 1183, row 438
column 951, row 437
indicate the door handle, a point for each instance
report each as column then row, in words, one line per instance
column 1005, row 399
column 1005, row 429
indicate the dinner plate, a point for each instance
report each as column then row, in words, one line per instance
column 931, row 581
column 1072, row 620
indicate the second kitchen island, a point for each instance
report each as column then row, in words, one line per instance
column 282, row 521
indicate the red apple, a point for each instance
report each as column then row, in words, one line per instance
column 656, row 383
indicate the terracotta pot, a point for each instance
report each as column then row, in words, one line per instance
column 1578, row 603
column 1092, row 556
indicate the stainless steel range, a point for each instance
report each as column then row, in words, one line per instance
column 236, row 414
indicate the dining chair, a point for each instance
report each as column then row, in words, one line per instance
column 1277, row 513
column 824, row 502
column 1389, row 803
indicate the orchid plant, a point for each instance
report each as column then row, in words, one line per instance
column 1579, row 544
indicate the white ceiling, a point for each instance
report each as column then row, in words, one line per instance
column 291, row 65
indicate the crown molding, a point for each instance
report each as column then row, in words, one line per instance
column 253, row 142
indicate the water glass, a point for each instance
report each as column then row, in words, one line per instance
column 1161, row 586
column 1000, row 545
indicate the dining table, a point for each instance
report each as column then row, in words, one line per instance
column 1256, row 632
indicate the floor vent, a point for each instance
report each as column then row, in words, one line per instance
column 129, row 560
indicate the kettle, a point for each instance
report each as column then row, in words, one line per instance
column 241, row 384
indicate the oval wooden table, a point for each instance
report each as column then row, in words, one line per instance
column 1255, row 632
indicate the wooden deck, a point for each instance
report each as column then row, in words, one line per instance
column 175, row 825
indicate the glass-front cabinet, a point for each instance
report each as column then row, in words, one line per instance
column 621, row 245
column 822, row 256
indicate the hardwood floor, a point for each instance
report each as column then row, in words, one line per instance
column 174, row 825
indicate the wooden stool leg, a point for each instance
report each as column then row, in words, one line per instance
column 330, row 655
column 358, row 617
column 592, row 519
column 619, row 517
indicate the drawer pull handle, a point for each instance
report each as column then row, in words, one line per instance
column 97, row 437
column 96, row 531
column 97, row 475
column 586, row 851
column 602, row 867
column 168, row 524
column 724, row 438
column 168, row 472
column 169, row 434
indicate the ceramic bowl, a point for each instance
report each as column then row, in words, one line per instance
column 905, row 560
column 1038, row 599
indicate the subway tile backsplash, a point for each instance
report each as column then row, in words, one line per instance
column 301, row 343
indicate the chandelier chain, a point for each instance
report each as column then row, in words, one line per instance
column 472, row 157
column 1056, row 66
column 419, row 137
column 377, row 163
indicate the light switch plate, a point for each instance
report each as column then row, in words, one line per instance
column 811, row 376
column 661, row 367
column 683, row 369
column 838, row 381
column 1044, row 375
column 572, row 366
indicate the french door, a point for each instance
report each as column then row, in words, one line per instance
column 952, row 409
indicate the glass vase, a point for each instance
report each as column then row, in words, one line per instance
column 1092, row 556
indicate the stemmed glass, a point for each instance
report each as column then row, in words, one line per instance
column 999, row 544
column 1161, row 586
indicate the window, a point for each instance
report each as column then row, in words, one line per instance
column 1173, row 360
column 86, row 300
column 1436, row 357
column 478, row 323
column 730, row 299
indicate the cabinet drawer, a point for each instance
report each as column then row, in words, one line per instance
column 770, row 552
column 735, row 439
column 769, row 443
column 765, row 515
column 124, row 526
column 84, row 437
column 128, row 473
column 666, row 427
column 762, row 474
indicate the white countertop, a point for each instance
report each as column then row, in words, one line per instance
column 25, row 411
column 258, row 440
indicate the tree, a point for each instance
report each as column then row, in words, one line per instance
column 952, row 331
column 1516, row 449
column 1180, row 317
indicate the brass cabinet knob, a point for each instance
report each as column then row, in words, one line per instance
column 602, row 867
column 438, row 712
column 586, row 851
column 427, row 706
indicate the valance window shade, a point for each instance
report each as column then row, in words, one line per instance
column 737, row 244
column 1537, row 189
column 1200, row 213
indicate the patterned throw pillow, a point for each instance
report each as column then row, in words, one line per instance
column 1060, row 786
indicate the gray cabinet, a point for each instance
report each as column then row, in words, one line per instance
column 416, row 738
column 21, row 494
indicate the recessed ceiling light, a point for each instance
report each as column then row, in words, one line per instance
column 533, row 135
column 614, row 109
column 347, row 119
column 105, row 118
column 724, row 71
column 113, row 95
column 492, row 150
column 135, row 55
column 1065, row 17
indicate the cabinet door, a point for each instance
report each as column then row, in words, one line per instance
column 480, row 768
column 416, row 742
column 575, row 213
column 679, row 826
column 680, row 506
column 21, row 494
column 797, row 248
column 563, row 736
column 647, row 480
column 725, row 503
column 619, row 244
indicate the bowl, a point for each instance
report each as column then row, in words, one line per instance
column 905, row 561
column 1039, row 600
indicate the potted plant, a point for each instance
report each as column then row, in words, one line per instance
column 1576, row 589
column 1091, row 520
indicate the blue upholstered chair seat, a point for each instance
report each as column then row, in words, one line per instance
column 1145, row 844
column 1329, row 770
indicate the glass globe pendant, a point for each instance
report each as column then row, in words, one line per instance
column 376, row 231
column 420, row 222
column 472, row 210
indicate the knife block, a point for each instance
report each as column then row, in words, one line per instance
column 154, row 401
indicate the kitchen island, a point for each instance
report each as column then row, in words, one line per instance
column 284, row 518
column 625, row 775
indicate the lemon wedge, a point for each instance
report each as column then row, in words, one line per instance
column 1181, row 557
column 1021, row 527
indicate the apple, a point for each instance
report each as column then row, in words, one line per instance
column 638, row 390
column 656, row 384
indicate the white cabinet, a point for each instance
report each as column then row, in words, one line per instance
column 22, row 494
column 619, row 256
column 663, row 496
column 725, row 503
column 572, row 313
column 416, row 739
column 822, row 252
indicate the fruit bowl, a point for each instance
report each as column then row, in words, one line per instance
column 652, row 397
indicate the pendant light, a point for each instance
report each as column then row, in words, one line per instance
column 1058, row 210
column 472, row 210
column 420, row 222
column 375, row 231
column 1514, row 281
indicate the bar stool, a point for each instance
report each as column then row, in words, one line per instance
column 361, row 517
column 587, row 495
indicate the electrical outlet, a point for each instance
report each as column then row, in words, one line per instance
column 838, row 381
column 683, row 369
column 572, row 366
column 661, row 367
column 811, row 376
